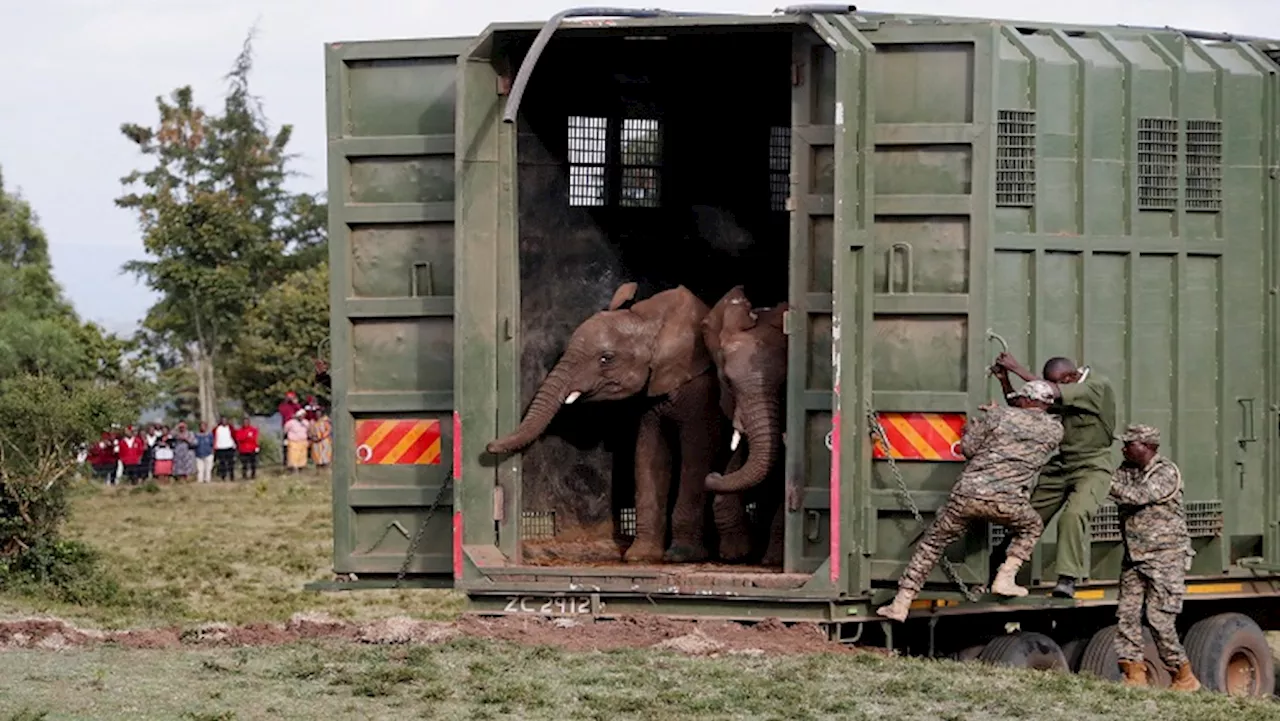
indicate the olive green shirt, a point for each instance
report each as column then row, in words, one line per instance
column 1088, row 411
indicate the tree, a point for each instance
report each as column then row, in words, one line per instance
column 216, row 220
column 270, row 356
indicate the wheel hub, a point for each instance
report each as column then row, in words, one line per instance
column 1242, row 673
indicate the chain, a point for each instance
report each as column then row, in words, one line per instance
column 905, row 495
column 417, row 537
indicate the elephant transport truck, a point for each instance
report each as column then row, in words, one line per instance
column 918, row 190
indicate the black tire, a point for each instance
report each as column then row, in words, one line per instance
column 1230, row 654
column 1073, row 650
column 1100, row 659
column 1025, row 650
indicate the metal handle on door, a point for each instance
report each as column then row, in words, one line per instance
column 413, row 278
column 907, row 276
column 1248, row 434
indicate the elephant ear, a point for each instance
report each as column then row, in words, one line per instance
column 679, row 352
column 713, row 324
column 623, row 295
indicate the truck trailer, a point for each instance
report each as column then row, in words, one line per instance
column 920, row 190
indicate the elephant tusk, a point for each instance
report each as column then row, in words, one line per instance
column 572, row 397
column 737, row 438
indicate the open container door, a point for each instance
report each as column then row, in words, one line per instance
column 830, row 213
column 912, row 181
column 1271, row 433
column 391, row 252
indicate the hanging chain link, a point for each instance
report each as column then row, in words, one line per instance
column 417, row 537
column 904, row 494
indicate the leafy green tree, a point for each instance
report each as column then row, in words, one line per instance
column 282, row 330
column 217, row 222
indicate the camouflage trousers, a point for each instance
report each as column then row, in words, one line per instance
column 1160, row 584
column 953, row 519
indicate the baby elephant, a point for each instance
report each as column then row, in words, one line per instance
column 749, row 349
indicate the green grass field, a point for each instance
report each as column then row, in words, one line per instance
column 241, row 553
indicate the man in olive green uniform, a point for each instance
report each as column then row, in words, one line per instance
column 1075, row 481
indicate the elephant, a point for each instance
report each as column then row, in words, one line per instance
column 749, row 348
column 652, row 347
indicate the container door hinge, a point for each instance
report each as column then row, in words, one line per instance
column 786, row 322
column 797, row 74
column 1275, row 172
column 499, row 505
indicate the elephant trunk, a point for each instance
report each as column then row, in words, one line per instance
column 762, row 425
column 546, row 403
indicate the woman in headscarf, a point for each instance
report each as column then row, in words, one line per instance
column 321, row 434
column 295, row 438
column 184, row 453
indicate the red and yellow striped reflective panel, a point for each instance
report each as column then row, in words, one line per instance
column 397, row 441
column 921, row 436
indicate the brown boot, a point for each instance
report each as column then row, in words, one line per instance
column 897, row 610
column 1004, row 584
column 1184, row 680
column 1135, row 673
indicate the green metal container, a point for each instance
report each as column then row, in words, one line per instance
column 913, row 186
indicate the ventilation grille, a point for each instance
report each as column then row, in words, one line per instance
column 779, row 167
column 588, row 155
column 1204, row 165
column 627, row 523
column 1157, row 164
column 537, row 525
column 1016, row 159
column 1204, row 520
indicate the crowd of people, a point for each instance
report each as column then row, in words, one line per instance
column 156, row 451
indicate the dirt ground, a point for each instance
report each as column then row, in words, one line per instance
column 770, row 636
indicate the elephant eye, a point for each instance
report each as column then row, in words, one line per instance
column 606, row 358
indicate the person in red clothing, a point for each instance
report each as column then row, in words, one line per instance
column 247, row 444
column 131, row 449
column 287, row 409
column 102, row 458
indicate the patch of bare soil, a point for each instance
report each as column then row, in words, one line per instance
column 703, row 638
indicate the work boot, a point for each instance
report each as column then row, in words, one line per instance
column 1184, row 680
column 1005, row 585
column 1135, row 673
column 897, row 610
column 1066, row 587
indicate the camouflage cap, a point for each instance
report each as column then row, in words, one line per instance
column 1036, row 390
column 1139, row 433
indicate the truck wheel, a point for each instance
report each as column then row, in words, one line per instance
column 1229, row 653
column 1025, row 650
column 1100, row 659
column 1073, row 650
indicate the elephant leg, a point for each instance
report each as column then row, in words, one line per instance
column 653, row 483
column 730, row 512
column 777, row 532
column 697, row 416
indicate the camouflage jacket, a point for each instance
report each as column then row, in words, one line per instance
column 1149, row 502
column 1006, row 448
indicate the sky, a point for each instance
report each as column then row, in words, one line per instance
column 74, row 70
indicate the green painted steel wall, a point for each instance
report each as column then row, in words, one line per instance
column 391, row 110
column 1131, row 234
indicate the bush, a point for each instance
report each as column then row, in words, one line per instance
column 44, row 423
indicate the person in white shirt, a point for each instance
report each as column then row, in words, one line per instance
column 224, row 450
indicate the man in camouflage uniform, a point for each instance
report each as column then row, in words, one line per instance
column 1006, row 448
column 1147, row 489
column 1076, row 480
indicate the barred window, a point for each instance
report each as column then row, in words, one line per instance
column 779, row 167
column 588, row 157
column 1016, row 158
column 641, row 161
column 1157, row 164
